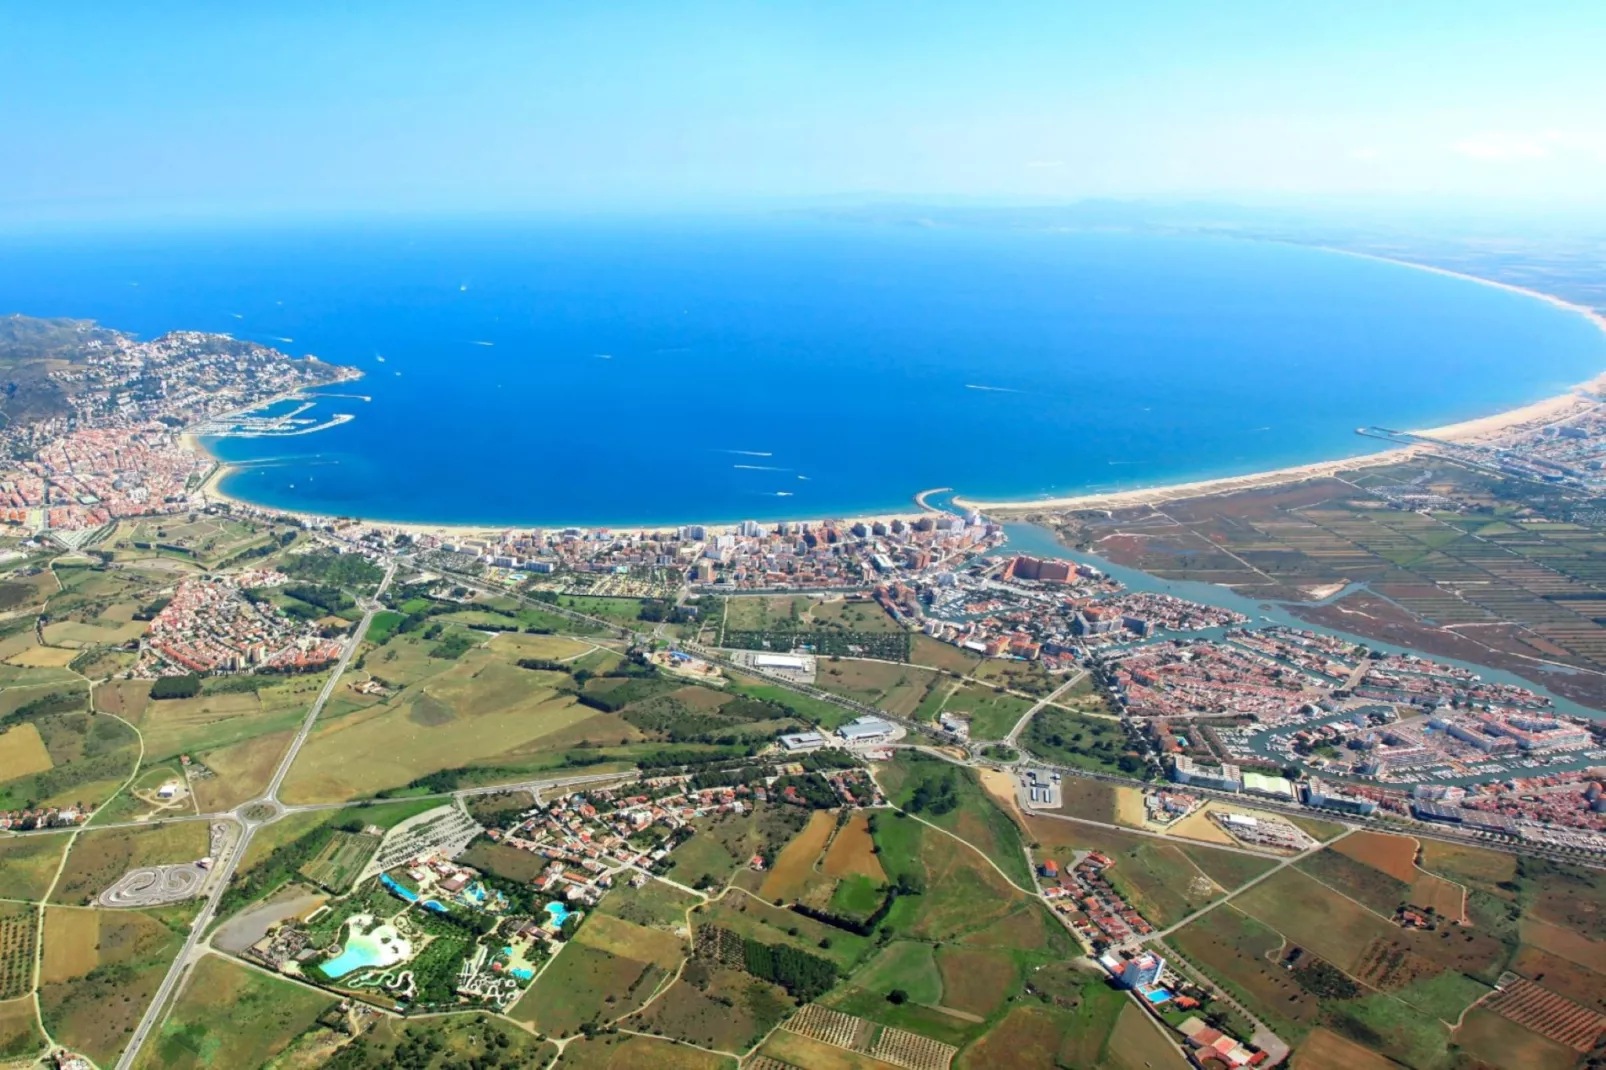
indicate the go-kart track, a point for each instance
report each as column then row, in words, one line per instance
column 151, row 886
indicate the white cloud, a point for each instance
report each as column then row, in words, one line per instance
column 1506, row 146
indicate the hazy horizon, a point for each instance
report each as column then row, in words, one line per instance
column 123, row 112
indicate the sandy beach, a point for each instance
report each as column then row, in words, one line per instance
column 1535, row 415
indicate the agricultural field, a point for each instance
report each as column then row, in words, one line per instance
column 100, row 856
column 794, row 868
column 607, row 971
column 19, row 1032
column 655, row 905
column 472, row 711
column 625, row 1052
column 806, row 708
column 905, row 965
column 852, row 852
column 205, row 541
column 1372, row 888
column 1499, row 1042
column 1074, row 1025
column 1315, row 917
column 28, row 863
column 240, row 771
column 90, row 757
column 228, row 1015
column 22, row 751
column 230, row 710
column 924, row 650
column 1138, row 1043
column 1164, row 881
column 723, row 843
column 952, row 798
column 758, row 920
column 339, row 861
column 17, row 925
column 992, row 710
column 900, row 689
column 503, row 861
column 100, row 969
column 1241, row 954
column 1325, row 1050
column 712, row 1007
column 445, row 1042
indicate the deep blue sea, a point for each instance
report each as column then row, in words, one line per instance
column 646, row 371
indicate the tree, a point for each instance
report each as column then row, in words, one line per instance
column 897, row 995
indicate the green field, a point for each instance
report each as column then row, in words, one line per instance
column 1081, row 741
column 337, row 864
column 446, row 1042
column 228, row 1015
column 28, row 863
column 815, row 711
column 992, row 711
column 950, row 797
column 101, row 968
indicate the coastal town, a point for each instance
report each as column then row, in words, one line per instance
column 803, row 537
column 107, row 419
column 1230, row 728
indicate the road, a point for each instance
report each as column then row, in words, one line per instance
column 226, row 867
column 1026, row 718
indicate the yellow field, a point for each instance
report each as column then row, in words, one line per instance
column 120, row 613
column 126, row 698
column 795, row 864
column 206, row 722
column 852, row 853
column 629, row 940
column 1326, row 1050
column 202, row 709
column 12, row 645
column 1129, row 809
column 1572, row 946
column 22, row 752
column 18, row 1033
column 71, row 938
column 81, row 634
column 43, row 657
column 243, row 771
column 28, row 864
column 1137, row 1043
column 406, row 737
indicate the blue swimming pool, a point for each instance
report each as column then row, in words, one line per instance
column 558, row 911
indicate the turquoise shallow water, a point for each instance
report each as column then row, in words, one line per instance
column 635, row 371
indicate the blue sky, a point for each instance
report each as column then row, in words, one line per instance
column 137, row 108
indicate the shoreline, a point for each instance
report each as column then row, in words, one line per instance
column 1545, row 410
